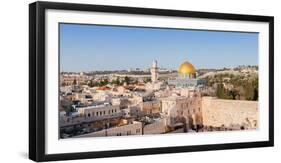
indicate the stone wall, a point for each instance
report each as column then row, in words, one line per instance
column 229, row 113
column 158, row 127
column 183, row 107
column 134, row 128
column 150, row 107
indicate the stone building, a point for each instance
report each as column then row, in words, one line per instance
column 150, row 107
column 100, row 112
column 133, row 128
column 181, row 109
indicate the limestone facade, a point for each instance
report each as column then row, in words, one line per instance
column 158, row 127
column 100, row 112
column 135, row 128
column 150, row 107
column 183, row 109
column 229, row 113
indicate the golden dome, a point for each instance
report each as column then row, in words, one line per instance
column 186, row 68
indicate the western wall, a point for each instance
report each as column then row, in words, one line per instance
column 236, row 114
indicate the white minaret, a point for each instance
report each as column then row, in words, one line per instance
column 154, row 71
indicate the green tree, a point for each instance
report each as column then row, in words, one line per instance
column 220, row 91
column 147, row 80
column 103, row 82
column 256, row 89
column 233, row 93
column 117, row 81
column 127, row 80
column 74, row 82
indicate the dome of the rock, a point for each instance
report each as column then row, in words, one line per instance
column 186, row 68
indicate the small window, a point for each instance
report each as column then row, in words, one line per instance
column 89, row 114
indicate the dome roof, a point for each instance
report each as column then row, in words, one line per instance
column 186, row 68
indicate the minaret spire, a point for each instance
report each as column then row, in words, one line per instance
column 154, row 71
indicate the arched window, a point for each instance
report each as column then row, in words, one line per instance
column 89, row 114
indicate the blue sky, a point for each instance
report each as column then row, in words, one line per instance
column 95, row 47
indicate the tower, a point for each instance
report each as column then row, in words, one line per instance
column 154, row 71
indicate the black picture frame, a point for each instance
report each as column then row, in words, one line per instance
column 37, row 80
